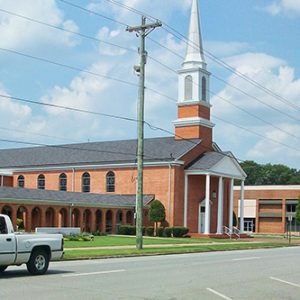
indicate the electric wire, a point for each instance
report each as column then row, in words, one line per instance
column 183, row 38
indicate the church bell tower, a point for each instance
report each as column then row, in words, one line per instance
column 193, row 120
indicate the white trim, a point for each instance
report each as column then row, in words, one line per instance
column 108, row 166
column 220, row 206
column 193, row 122
column 193, row 69
column 6, row 173
column 230, row 225
column 193, row 102
column 268, row 187
column 207, row 205
column 186, row 182
column 217, row 174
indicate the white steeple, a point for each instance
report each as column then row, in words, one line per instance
column 194, row 54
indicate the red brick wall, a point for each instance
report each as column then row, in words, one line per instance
column 190, row 111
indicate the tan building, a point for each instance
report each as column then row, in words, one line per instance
column 269, row 208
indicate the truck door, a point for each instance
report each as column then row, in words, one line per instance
column 7, row 245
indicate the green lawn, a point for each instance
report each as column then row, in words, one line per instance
column 98, row 253
column 102, row 241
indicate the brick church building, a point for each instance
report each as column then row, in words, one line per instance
column 93, row 186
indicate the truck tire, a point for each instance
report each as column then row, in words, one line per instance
column 38, row 262
column 2, row 268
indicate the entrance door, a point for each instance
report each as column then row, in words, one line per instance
column 201, row 226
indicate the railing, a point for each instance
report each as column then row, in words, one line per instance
column 227, row 231
column 236, row 232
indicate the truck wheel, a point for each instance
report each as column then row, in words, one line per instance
column 2, row 268
column 38, row 262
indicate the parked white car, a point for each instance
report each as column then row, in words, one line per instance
column 34, row 250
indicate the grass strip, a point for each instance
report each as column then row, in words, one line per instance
column 103, row 253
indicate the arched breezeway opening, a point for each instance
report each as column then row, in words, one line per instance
column 35, row 218
column 22, row 218
column 7, row 210
column 99, row 220
column 129, row 217
column 62, row 218
column 49, row 216
column 76, row 218
column 119, row 217
column 87, row 220
column 109, row 216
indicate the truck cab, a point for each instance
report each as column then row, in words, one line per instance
column 35, row 250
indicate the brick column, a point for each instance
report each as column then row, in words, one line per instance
column 14, row 216
column 284, row 216
column 80, row 218
column 93, row 220
column 28, row 219
column 42, row 216
column 103, row 221
column 55, row 216
column 114, row 220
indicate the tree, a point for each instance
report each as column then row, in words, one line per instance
column 298, row 211
column 157, row 213
column 269, row 174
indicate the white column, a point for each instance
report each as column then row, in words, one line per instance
column 242, row 208
column 231, row 205
column 220, row 206
column 186, row 182
column 207, row 205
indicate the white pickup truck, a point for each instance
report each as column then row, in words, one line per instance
column 36, row 250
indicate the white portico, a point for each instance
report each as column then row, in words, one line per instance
column 209, row 187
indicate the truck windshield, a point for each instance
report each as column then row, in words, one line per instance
column 3, row 228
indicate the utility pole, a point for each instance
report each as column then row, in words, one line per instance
column 142, row 31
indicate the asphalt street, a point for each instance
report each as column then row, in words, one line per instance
column 252, row 274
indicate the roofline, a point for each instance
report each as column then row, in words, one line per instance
column 234, row 160
column 61, row 203
column 208, row 172
column 268, row 187
column 100, row 166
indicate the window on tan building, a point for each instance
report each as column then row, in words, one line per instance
column 21, row 181
column 41, row 182
column 86, row 183
column 110, row 182
column 63, row 182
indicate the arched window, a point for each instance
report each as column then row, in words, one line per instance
column 21, row 181
column 204, row 89
column 188, row 88
column 41, row 182
column 63, row 182
column 110, row 182
column 86, row 182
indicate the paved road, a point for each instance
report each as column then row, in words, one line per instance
column 253, row 274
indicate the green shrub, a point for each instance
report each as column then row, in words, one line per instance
column 20, row 223
column 150, row 230
column 160, row 231
column 168, row 231
column 74, row 238
column 86, row 238
column 180, row 231
column 127, row 230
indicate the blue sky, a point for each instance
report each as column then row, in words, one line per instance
column 257, row 38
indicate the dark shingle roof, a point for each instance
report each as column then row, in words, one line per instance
column 67, row 198
column 206, row 161
column 156, row 149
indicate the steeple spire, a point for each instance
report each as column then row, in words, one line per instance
column 194, row 54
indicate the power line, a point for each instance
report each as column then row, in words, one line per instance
column 92, row 12
column 210, row 55
column 67, row 66
column 66, row 30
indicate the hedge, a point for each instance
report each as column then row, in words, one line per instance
column 180, row 231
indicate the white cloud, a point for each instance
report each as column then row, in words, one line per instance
column 274, row 74
column 18, row 33
column 290, row 7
